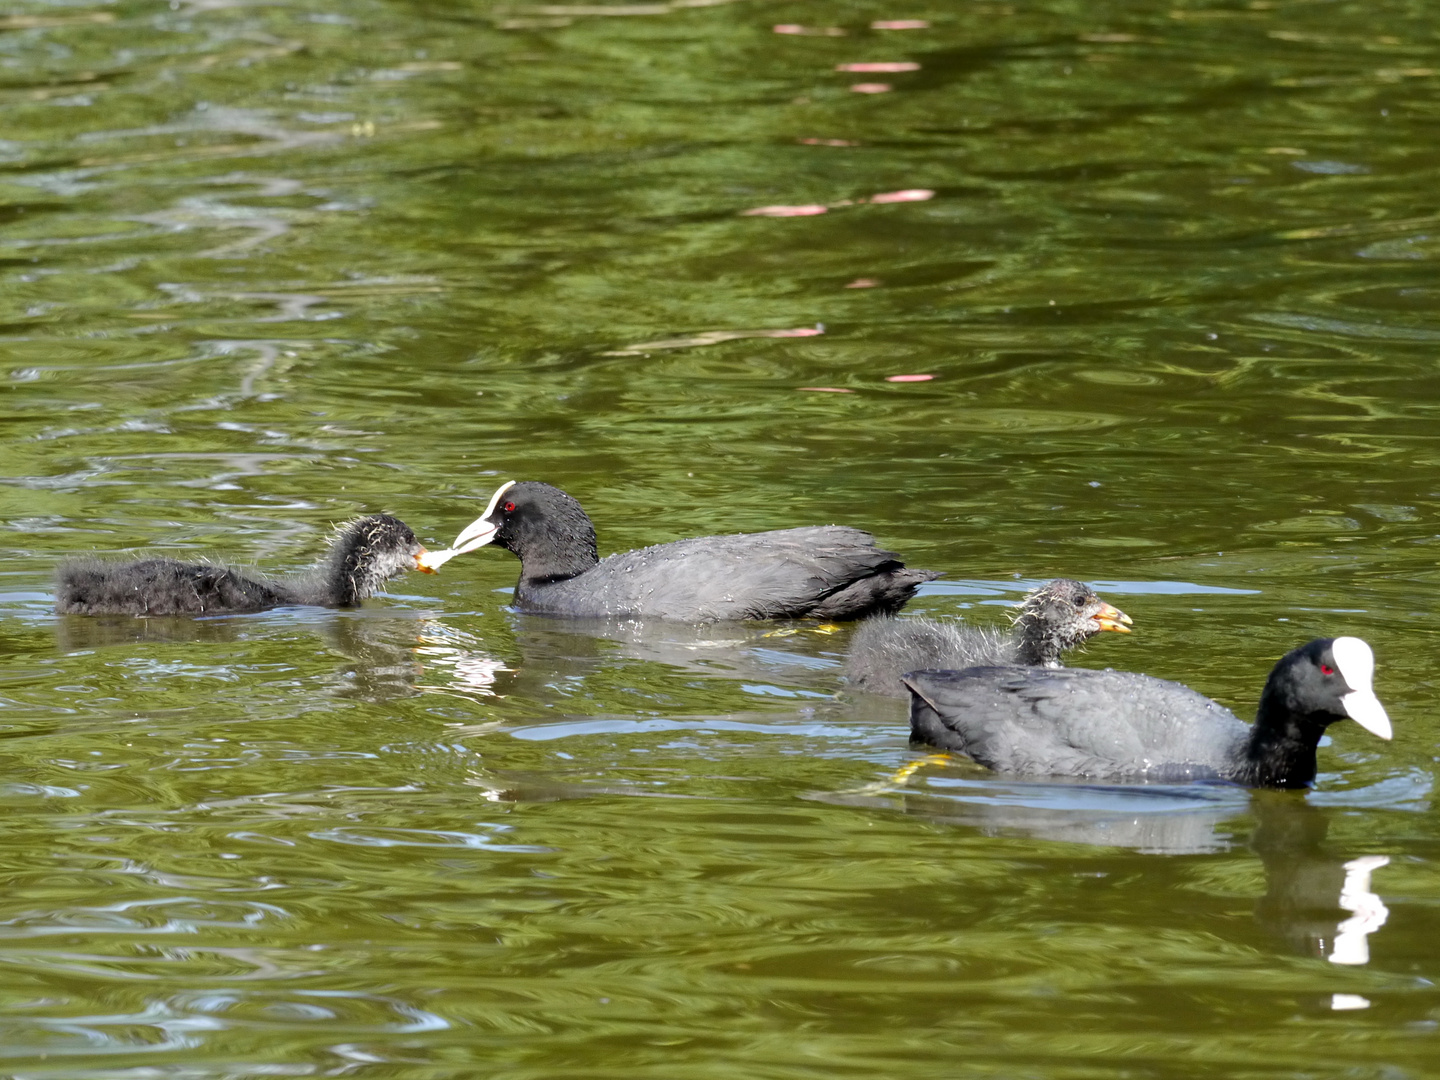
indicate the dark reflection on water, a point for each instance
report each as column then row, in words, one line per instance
column 1155, row 819
column 267, row 267
column 1306, row 883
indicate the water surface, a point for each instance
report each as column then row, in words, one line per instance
column 269, row 266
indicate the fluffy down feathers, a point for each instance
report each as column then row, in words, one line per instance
column 363, row 556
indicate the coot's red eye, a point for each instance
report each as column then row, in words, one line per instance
column 1326, row 669
column 509, row 508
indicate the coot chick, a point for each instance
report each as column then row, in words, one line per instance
column 364, row 555
column 822, row 572
column 1118, row 725
column 1056, row 617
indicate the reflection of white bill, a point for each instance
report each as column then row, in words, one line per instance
column 468, row 671
column 445, row 649
column 1339, row 1002
column 1351, row 936
column 478, row 671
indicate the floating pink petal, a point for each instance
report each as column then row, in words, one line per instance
column 908, row 378
column 900, row 24
column 880, row 67
column 808, row 31
column 826, row 389
column 872, row 88
column 827, row 142
column 787, row 211
column 908, row 195
column 864, row 283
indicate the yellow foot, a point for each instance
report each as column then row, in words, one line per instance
column 787, row 631
column 898, row 778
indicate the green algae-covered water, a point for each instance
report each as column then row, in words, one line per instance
column 269, row 265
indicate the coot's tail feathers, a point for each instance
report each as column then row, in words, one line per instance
column 825, row 572
column 884, row 647
column 883, row 593
column 925, row 723
column 160, row 587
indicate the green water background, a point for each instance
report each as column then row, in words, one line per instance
column 270, row 265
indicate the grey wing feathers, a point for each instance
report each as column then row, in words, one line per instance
column 781, row 574
column 1074, row 722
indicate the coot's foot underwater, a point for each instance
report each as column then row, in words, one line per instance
column 821, row 572
column 363, row 556
column 1056, row 617
column 1114, row 724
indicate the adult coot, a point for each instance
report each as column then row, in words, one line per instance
column 822, row 572
column 363, row 556
column 1051, row 620
column 1113, row 724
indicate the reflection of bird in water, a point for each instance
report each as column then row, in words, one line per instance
column 1118, row 725
column 1151, row 818
column 376, row 652
column 73, row 635
column 456, row 662
column 821, row 572
column 1052, row 619
column 1308, row 890
column 733, row 650
column 363, row 556
column 381, row 654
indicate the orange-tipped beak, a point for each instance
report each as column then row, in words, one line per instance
column 420, row 562
column 1112, row 618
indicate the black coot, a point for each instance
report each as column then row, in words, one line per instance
column 1113, row 724
column 1051, row 620
column 823, row 572
column 363, row 556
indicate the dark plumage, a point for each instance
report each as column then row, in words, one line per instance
column 1052, row 619
column 1113, row 724
column 823, row 572
column 364, row 555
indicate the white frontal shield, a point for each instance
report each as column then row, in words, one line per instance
column 1356, row 664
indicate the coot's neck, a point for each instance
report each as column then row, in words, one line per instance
column 554, row 547
column 1035, row 645
column 346, row 575
column 360, row 561
column 1281, row 749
